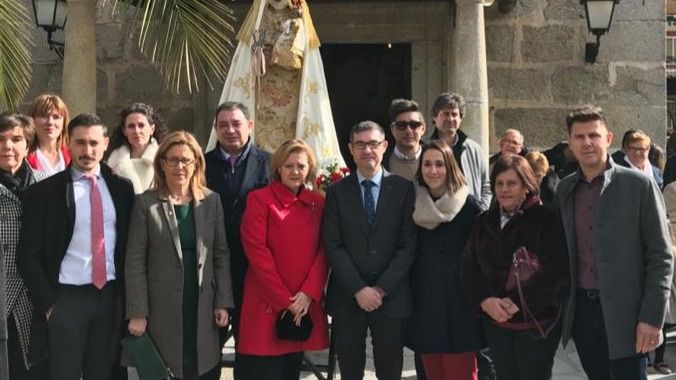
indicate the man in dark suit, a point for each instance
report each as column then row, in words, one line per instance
column 234, row 168
column 71, row 256
column 370, row 240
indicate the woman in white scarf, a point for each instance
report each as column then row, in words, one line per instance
column 443, row 329
column 134, row 145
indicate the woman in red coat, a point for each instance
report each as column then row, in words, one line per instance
column 287, row 267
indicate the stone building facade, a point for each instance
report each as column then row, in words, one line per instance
column 535, row 62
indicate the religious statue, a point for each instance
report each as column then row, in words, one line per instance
column 278, row 73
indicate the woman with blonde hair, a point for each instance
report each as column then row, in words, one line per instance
column 286, row 274
column 547, row 179
column 178, row 264
column 48, row 151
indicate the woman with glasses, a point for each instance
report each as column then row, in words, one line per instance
column 287, row 268
column 49, row 152
column 178, row 264
column 134, row 145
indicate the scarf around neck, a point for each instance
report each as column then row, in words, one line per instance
column 429, row 213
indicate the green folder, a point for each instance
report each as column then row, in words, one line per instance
column 149, row 364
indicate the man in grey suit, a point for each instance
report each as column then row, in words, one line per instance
column 620, row 255
column 370, row 240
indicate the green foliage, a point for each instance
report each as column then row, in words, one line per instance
column 15, row 59
column 186, row 39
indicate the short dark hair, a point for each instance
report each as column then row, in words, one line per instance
column 449, row 100
column 86, row 120
column 584, row 114
column 365, row 126
column 10, row 120
column 522, row 169
column 399, row 106
column 229, row 106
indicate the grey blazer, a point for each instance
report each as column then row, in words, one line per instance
column 154, row 275
column 361, row 255
column 633, row 254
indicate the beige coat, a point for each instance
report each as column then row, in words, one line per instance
column 154, row 276
column 669, row 193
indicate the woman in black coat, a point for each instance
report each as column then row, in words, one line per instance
column 442, row 329
column 522, row 327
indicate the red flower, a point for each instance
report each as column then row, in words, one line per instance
column 345, row 170
column 320, row 179
column 336, row 176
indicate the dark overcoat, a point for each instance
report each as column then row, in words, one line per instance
column 442, row 321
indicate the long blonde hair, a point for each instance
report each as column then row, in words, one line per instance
column 197, row 182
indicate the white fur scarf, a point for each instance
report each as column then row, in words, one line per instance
column 429, row 213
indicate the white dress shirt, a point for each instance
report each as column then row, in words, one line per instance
column 46, row 166
column 76, row 267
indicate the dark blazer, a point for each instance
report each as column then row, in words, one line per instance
column 361, row 255
column 256, row 175
column 442, row 321
column 46, row 231
column 633, row 253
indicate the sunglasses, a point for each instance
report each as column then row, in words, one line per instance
column 403, row 124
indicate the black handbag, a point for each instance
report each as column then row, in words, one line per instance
column 287, row 329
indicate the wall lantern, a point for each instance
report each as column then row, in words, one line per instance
column 599, row 16
column 51, row 16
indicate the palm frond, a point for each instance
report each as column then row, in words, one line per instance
column 186, row 39
column 15, row 59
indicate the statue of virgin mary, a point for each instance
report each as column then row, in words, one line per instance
column 277, row 72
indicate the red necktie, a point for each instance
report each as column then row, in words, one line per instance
column 98, row 246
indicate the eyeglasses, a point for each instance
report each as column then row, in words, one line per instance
column 638, row 149
column 173, row 162
column 403, row 124
column 361, row 145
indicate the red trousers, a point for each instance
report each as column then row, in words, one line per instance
column 450, row 366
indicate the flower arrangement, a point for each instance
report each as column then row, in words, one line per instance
column 330, row 174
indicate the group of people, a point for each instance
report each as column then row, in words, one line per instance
column 480, row 269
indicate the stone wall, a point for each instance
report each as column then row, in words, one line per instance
column 535, row 61
column 537, row 70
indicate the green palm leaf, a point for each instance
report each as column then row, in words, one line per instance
column 15, row 59
column 186, row 39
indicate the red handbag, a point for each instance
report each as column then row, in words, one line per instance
column 524, row 266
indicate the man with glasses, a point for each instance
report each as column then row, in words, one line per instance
column 408, row 127
column 636, row 147
column 370, row 241
column 511, row 142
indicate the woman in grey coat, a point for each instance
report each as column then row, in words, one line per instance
column 177, row 267
column 16, row 133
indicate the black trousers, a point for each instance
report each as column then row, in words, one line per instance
column 387, row 340
column 17, row 368
column 80, row 333
column 591, row 341
column 277, row 367
column 521, row 355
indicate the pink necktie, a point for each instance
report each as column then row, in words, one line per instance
column 98, row 246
